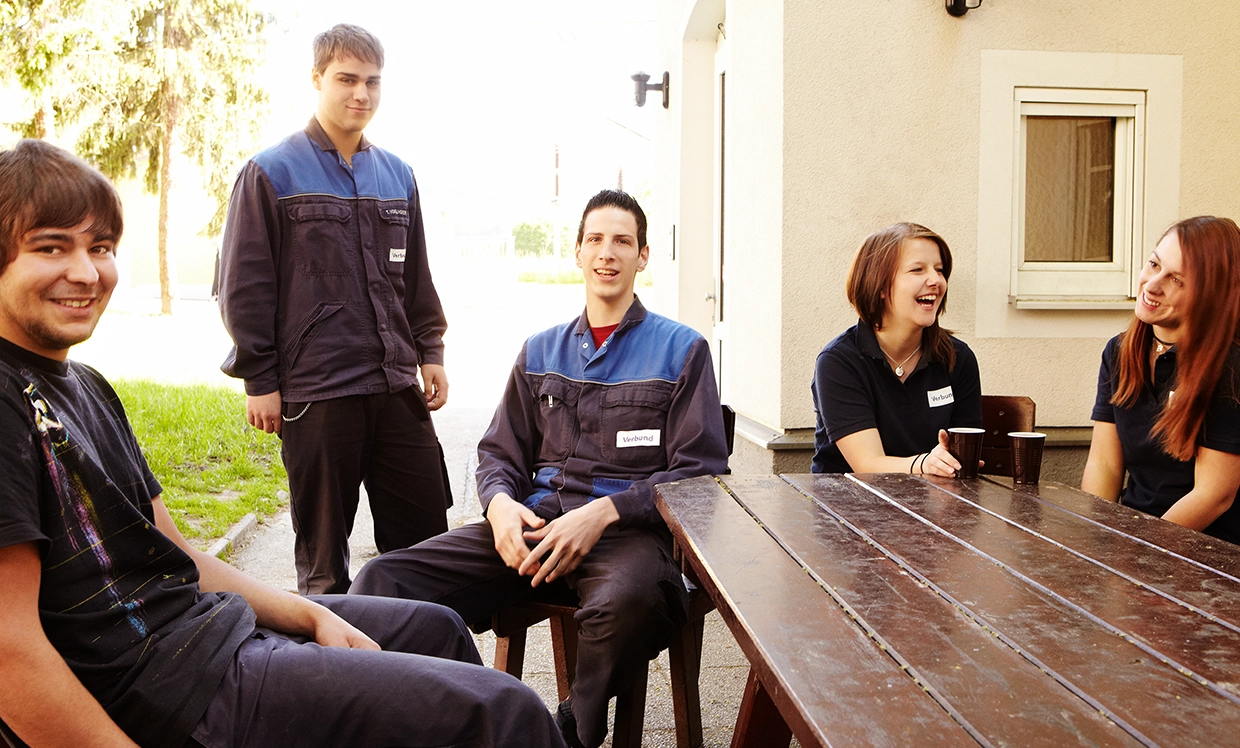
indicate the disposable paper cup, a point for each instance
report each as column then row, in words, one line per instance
column 1026, row 455
column 965, row 444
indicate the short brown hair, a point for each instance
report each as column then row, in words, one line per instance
column 42, row 186
column 346, row 40
column 873, row 273
column 615, row 199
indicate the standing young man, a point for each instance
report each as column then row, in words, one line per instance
column 117, row 632
column 596, row 412
column 326, row 291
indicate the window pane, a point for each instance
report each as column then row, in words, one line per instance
column 1069, row 188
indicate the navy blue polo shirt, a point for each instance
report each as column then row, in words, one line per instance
column 1156, row 480
column 855, row 389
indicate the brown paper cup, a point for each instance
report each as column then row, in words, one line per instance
column 1026, row 455
column 965, row 444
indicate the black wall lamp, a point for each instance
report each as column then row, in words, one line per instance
column 641, row 86
column 958, row 8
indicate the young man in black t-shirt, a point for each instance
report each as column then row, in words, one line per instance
column 114, row 631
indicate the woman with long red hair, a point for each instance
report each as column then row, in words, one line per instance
column 1168, row 406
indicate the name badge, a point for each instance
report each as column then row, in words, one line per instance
column 643, row 438
column 939, row 398
column 396, row 255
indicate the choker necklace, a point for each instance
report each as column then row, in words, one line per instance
column 1160, row 345
column 899, row 366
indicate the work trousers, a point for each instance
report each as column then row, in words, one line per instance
column 385, row 441
column 632, row 600
column 426, row 688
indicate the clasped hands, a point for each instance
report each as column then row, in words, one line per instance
column 560, row 544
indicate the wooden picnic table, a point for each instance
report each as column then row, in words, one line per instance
column 889, row 609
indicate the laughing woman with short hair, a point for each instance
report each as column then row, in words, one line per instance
column 886, row 390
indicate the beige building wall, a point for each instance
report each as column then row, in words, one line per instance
column 843, row 118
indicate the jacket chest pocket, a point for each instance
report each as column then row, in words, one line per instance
column 321, row 245
column 557, row 416
column 634, row 421
column 392, row 244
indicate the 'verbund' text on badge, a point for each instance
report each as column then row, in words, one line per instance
column 643, row 438
column 941, row 397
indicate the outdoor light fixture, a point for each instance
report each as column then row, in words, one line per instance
column 641, row 86
column 960, row 7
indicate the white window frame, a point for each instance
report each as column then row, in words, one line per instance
column 1000, row 312
column 1035, row 284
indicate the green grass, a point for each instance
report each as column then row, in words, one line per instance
column 213, row 466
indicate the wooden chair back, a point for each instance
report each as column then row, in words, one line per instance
column 1001, row 414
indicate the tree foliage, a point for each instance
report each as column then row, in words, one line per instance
column 147, row 82
column 36, row 36
column 537, row 239
column 532, row 239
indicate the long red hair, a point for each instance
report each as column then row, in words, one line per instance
column 1211, row 253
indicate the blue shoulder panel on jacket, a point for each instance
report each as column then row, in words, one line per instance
column 654, row 348
column 296, row 167
column 391, row 179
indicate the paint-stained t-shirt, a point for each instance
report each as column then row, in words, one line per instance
column 118, row 599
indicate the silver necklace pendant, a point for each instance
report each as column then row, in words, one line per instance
column 1159, row 348
column 900, row 364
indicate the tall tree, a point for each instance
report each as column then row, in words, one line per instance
column 35, row 37
column 150, row 82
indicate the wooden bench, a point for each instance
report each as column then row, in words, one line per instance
column 896, row 610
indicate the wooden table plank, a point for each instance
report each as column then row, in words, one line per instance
column 829, row 678
column 1158, row 535
column 1132, row 687
column 992, row 687
column 1086, row 525
column 1188, row 638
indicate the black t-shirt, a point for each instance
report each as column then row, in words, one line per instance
column 1156, row 480
column 117, row 599
column 854, row 389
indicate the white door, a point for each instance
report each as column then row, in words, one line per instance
column 719, row 330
